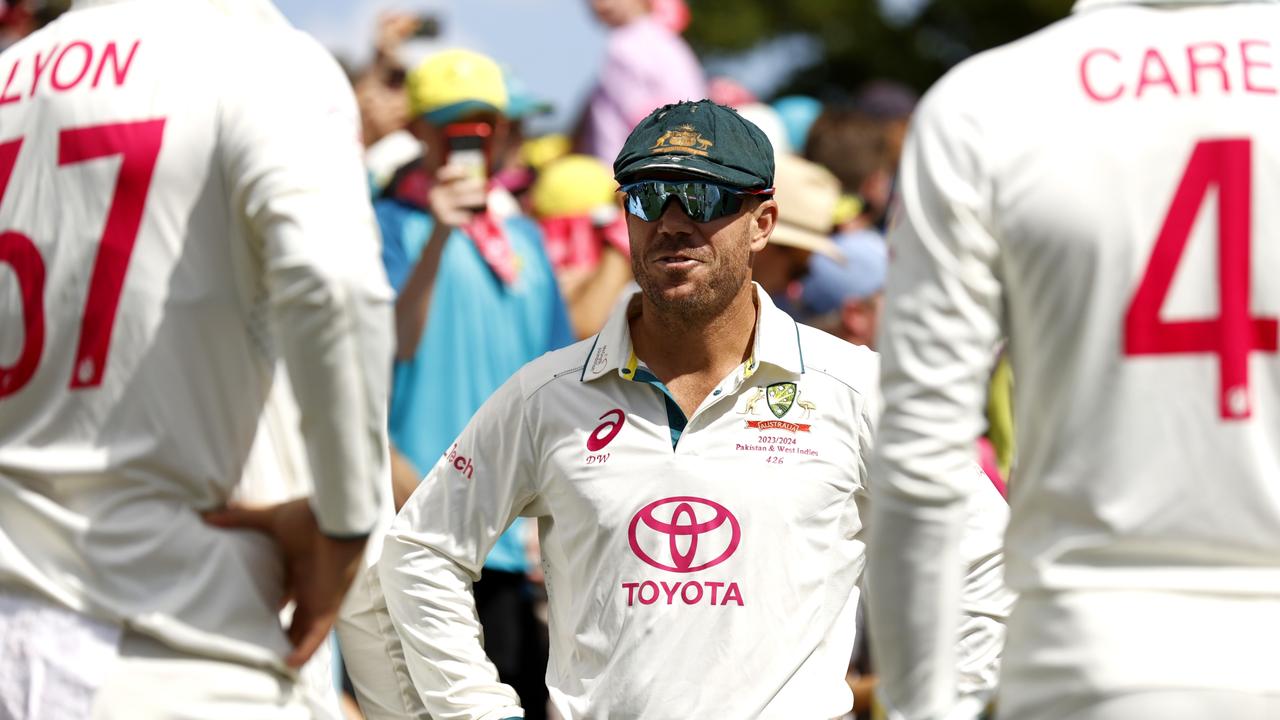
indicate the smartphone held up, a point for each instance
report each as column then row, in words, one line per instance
column 468, row 147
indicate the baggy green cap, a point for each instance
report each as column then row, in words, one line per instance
column 700, row 139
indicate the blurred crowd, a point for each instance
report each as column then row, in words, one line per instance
column 502, row 245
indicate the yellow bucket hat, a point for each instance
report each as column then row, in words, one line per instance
column 449, row 85
column 573, row 185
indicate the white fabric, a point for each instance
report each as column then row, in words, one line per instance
column 754, row 619
column 371, row 648
column 1068, row 649
column 1163, row 704
column 1035, row 182
column 52, row 660
column 256, row 241
column 389, row 154
column 57, row 664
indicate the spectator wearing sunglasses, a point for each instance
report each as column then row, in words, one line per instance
column 697, row 470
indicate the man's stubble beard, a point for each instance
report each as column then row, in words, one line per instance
column 732, row 269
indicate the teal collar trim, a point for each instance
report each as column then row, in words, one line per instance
column 676, row 419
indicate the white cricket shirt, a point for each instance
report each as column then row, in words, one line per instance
column 1104, row 193
column 716, row 577
column 182, row 201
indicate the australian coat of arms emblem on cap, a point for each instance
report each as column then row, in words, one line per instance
column 684, row 139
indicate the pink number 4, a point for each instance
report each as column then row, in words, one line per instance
column 1234, row 333
column 139, row 145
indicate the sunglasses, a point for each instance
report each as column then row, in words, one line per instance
column 702, row 201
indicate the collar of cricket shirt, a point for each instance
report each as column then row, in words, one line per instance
column 777, row 342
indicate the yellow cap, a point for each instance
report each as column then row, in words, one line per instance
column 539, row 152
column 573, row 185
column 448, row 85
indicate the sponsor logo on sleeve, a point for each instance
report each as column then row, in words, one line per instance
column 684, row 535
column 460, row 462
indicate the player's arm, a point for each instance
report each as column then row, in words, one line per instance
column 985, row 601
column 436, row 548
column 291, row 156
column 289, row 160
column 942, row 320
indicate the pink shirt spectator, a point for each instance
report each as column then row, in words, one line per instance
column 646, row 65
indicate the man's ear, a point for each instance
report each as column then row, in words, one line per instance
column 763, row 219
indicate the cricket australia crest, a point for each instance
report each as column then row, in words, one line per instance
column 684, row 139
column 780, row 397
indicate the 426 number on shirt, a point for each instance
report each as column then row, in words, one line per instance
column 138, row 144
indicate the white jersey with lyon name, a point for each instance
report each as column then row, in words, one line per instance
column 707, row 568
column 181, row 203
column 1104, row 193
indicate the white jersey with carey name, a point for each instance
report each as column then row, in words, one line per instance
column 1104, row 193
column 706, row 567
column 182, row 202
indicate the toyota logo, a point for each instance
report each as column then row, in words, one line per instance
column 684, row 534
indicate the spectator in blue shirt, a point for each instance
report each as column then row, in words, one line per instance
column 476, row 300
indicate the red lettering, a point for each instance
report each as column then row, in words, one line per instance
column 670, row 590
column 40, row 66
column 84, row 69
column 714, row 587
column 1197, row 65
column 1248, row 63
column 119, row 72
column 461, row 463
column 20, row 253
column 5, row 97
column 1084, row 76
column 733, row 594
column 691, row 592
column 1152, row 60
column 684, row 594
column 653, row 597
column 139, row 145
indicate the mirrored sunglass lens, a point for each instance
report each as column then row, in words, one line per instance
column 645, row 202
column 702, row 202
column 707, row 202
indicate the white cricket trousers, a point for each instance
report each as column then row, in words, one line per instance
column 1139, row 655
column 56, row 664
column 373, row 654
column 1162, row 705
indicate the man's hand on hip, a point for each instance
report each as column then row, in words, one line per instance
column 318, row 569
